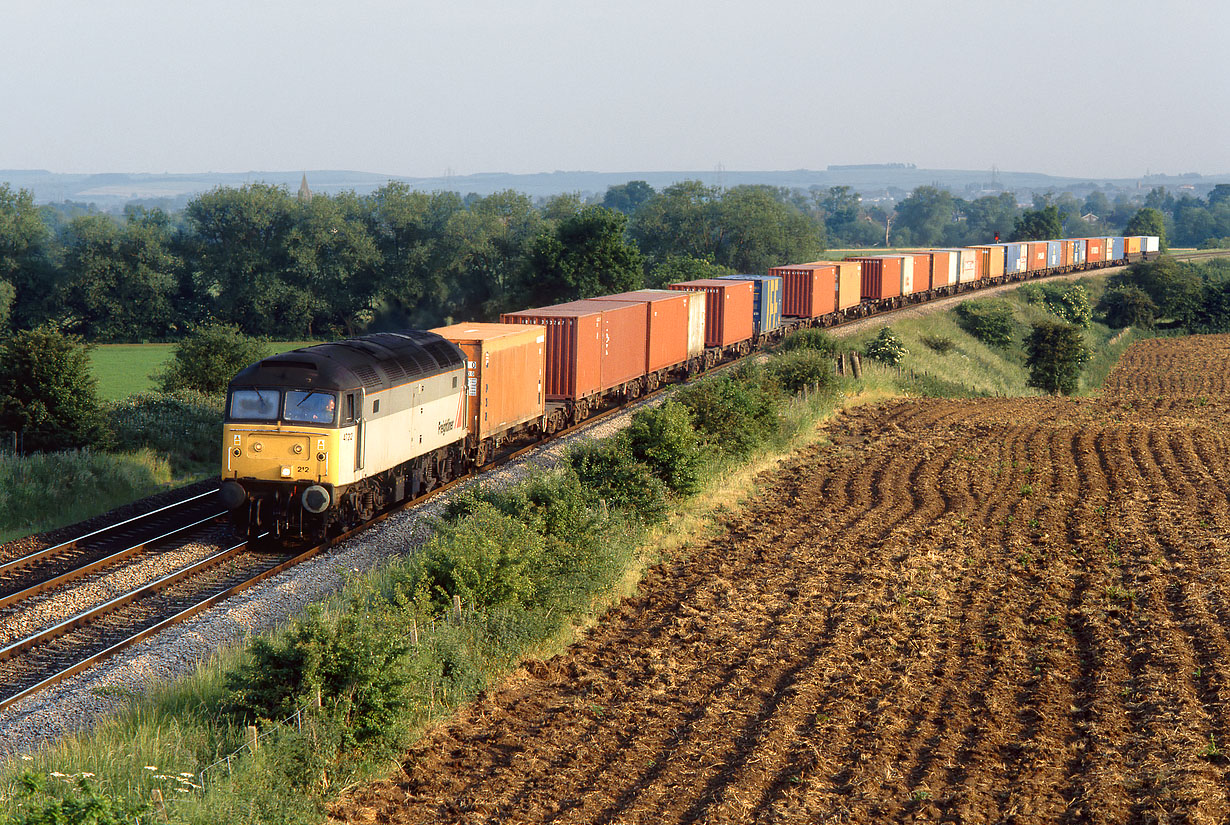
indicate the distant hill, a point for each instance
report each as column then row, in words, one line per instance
column 873, row 181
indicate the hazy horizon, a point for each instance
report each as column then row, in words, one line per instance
column 428, row 89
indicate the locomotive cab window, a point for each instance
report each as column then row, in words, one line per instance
column 311, row 406
column 348, row 409
column 254, row 405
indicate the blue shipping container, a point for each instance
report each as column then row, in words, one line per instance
column 1054, row 254
column 1114, row 248
column 766, row 300
column 1016, row 257
column 1078, row 250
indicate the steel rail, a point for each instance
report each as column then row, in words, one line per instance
column 91, row 567
column 72, row 544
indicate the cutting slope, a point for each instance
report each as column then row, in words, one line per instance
column 1000, row 610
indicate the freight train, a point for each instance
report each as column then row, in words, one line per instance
column 320, row 439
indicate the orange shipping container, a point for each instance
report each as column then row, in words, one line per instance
column 990, row 261
column 943, row 268
column 667, row 313
column 1095, row 249
column 505, row 369
column 591, row 345
column 1037, row 256
column 881, row 277
column 728, row 309
column 1132, row 244
column 808, row 290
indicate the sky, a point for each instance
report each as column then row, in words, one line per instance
column 1083, row 88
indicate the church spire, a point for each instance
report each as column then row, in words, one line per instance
column 305, row 194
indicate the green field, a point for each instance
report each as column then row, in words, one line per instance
column 125, row 369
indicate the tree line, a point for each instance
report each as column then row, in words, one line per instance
column 271, row 264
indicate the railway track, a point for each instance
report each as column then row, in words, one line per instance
column 67, row 648
column 71, row 646
column 39, row 572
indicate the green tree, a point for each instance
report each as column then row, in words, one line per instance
column 679, row 220
column 1038, row 225
column 1055, row 353
column 1148, row 221
column 627, row 197
column 985, row 217
column 1177, row 291
column 238, row 255
column 120, row 282
column 926, row 214
column 756, row 228
column 208, row 359
column 47, row 392
column 332, row 255
column 1128, row 306
column 7, row 293
column 25, row 249
column 584, row 255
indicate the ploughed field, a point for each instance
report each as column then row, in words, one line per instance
column 1004, row 610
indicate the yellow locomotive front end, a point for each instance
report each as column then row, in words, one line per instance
column 280, row 457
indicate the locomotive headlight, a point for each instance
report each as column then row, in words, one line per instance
column 257, row 446
column 320, row 456
column 286, row 472
column 298, row 448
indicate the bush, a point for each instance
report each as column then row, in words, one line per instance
column 886, row 348
column 611, row 474
column 665, row 441
column 209, row 358
column 938, row 343
column 47, row 393
column 802, row 368
column 185, row 425
column 488, row 558
column 732, row 416
column 989, row 321
column 355, row 659
column 1070, row 303
column 1055, row 354
column 810, row 339
column 1128, row 306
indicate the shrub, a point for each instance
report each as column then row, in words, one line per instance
column 665, row 441
column 208, row 359
column 989, row 321
column 47, row 392
column 1128, row 306
column 609, row 472
column 185, row 425
column 1054, row 356
column 938, row 344
column 488, row 558
column 732, row 416
column 886, row 348
column 802, row 368
column 355, row 659
column 1069, row 303
column 810, row 339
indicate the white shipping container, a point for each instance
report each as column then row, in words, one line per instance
column 1149, row 243
column 907, row 274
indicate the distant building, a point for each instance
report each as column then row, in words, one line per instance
column 1090, row 218
column 305, row 194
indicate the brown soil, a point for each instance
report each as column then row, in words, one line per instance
column 1003, row 610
